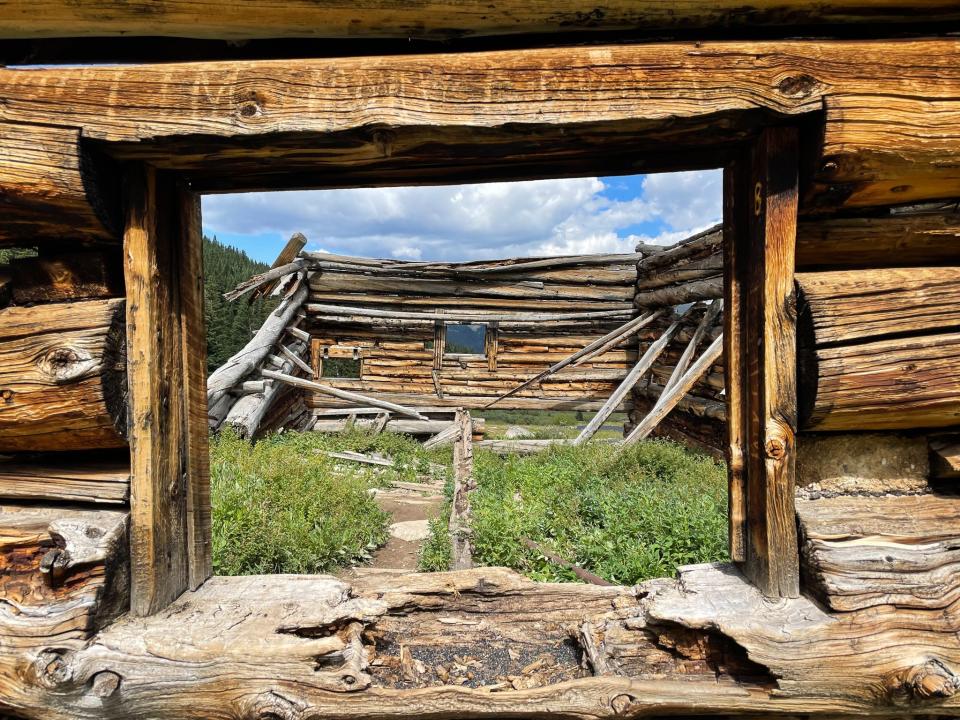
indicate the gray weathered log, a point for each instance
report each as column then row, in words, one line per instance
column 343, row 394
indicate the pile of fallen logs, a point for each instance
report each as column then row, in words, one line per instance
column 689, row 271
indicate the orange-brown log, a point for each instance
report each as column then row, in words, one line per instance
column 63, row 376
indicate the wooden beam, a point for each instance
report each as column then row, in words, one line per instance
column 73, row 478
column 159, row 452
column 768, row 190
column 440, row 21
column 287, row 255
column 193, row 337
column 329, row 122
column 464, row 482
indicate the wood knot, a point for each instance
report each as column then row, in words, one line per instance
column 930, row 680
column 622, row 703
column 67, row 364
column 104, row 684
column 776, row 449
column 272, row 705
column 798, row 86
column 251, row 104
column 54, row 566
column 6, row 394
column 51, row 669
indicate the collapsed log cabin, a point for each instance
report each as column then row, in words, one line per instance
column 841, row 159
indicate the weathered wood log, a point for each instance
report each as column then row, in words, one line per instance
column 706, row 323
column 676, row 91
column 926, row 237
column 643, row 365
column 62, row 377
column 343, row 394
column 74, row 478
column 705, row 243
column 847, row 306
column 64, row 574
column 882, row 385
column 860, row 552
column 945, row 457
column 861, row 464
column 535, row 302
column 671, row 397
column 275, row 273
column 527, row 318
column 54, row 187
column 464, row 482
column 67, row 276
column 248, row 413
column 709, row 289
column 439, row 21
column 407, row 427
column 695, row 270
column 224, row 378
column 706, row 642
column 287, row 255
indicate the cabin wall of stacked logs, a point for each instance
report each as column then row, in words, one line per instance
column 407, row 360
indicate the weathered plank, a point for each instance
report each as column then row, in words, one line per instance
column 769, row 345
column 860, row 552
column 158, row 448
column 193, row 338
column 287, row 255
column 438, row 20
column 62, row 377
column 73, row 478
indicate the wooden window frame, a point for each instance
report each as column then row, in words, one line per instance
column 170, row 507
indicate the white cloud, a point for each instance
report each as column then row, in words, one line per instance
column 545, row 217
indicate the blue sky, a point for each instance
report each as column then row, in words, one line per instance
column 472, row 222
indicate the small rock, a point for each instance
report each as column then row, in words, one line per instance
column 411, row 530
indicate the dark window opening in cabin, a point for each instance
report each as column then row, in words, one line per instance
column 466, row 339
column 341, row 368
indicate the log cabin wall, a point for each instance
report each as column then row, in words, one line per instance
column 539, row 316
column 874, row 631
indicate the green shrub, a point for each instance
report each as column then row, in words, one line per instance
column 280, row 507
column 626, row 516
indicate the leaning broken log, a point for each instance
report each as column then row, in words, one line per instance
column 63, row 377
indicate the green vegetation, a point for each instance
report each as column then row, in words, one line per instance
column 546, row 424
column 280, row 506
column 627, row 517
column 8, row 254
column 229, row 325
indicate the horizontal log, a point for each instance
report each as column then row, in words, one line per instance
column 53, row 188
column 63, row 575
column 906, row 239
column 406, row 427
column 706, row 243
column 694, row 404
column 466, row 304
column 477, row 401
column 448, row 290
column 709, row 289
column 328, row 311
column 861, row 552
column 269, row 124
column 73, row 479
column 63, row 377
column 66, row 276
column 883, row 385
column 846, row 306
column 704, row 643
column 441, row 21
column 696, row 270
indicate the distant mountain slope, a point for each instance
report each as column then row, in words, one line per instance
column 229, row 325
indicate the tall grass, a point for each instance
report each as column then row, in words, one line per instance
column 627, row 517
column 281, row 505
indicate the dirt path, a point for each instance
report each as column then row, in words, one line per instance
column 411, row 511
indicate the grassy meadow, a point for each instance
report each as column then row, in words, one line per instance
column 283, row 506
